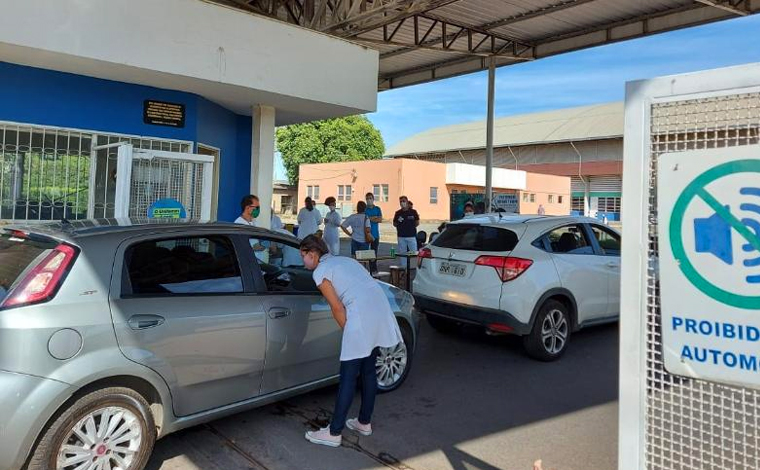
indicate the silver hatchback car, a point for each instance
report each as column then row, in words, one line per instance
column 112, row 336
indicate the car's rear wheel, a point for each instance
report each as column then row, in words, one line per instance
column 551, row 332
column 441, row 324
column 106, row 429
column 393, row 364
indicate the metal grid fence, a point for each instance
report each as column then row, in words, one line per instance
column 694, row 424
column 160, row 178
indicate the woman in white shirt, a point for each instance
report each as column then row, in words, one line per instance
column 309, row 219
column 362, row 310
column 361, row 231
column 332, row 224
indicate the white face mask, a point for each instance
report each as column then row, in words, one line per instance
column 370, row 202
column 404, row 205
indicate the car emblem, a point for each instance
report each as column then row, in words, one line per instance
column 451, row 255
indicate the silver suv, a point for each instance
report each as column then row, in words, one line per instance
column 113, row 336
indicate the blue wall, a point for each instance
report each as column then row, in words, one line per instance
column 36, row 96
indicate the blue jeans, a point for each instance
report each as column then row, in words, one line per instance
column 375, row 245
column 350, row 371
column 357, row 246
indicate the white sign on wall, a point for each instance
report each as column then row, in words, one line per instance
column 508, row 202
column 709, row 245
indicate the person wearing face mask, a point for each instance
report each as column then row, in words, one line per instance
column 361, row 231
column 332, row 224
column 469, row 209
column 309, row 219
column 363, row 312
column 406, row 220
column 375, row 215
column 251, row 210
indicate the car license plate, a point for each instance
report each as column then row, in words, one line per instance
column 453, row 269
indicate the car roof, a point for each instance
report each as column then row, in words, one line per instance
column 72, row 230
column 502, row 218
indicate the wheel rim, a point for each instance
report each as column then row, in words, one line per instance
column 391, row 364
column 105, row 439
column 554, row 331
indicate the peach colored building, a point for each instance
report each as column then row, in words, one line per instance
column 429, row 185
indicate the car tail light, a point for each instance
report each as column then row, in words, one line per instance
column 507, row 267
column 43, row 281
column 424, row 253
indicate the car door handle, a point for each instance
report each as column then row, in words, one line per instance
column 279, row 312
column 142, row 322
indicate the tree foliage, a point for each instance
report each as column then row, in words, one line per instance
column 345, row 139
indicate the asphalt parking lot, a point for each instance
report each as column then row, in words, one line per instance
column 471, row 402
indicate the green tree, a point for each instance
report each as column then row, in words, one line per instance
column 345, row 139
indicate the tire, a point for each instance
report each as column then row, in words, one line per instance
column 400, row 356
column 550, row 336
column 122, row 408
column 441, row 324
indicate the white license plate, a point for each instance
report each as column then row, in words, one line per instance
column 453, row 269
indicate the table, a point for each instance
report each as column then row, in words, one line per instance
column 408, row 257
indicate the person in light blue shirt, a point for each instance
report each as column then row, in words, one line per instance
column 375, row 215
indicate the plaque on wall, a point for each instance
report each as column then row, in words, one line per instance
column 161, row 113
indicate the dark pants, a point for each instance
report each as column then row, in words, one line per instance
column 358, row 246
column 350, row 371
column 375, row 245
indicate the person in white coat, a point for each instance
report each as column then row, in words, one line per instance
column 309, row 219
column 332, row 224
column 362, row 310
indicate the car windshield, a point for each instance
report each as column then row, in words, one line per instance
column 476, row 238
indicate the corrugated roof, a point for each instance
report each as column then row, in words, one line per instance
column 601, row 121
column 425, row 40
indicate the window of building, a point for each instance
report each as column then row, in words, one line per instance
column 313, row 192
column 381, row 192
column 576, row 204
column 551, row 199
column 344, row 192
column 560, row 199
column 608, row 204
column 525, row 197
column 185, row 265
column 433, row 195
column 532, row 197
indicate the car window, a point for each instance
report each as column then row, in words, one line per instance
column 609, row 241
column 476, row 238
column 282, row 267
column 184, row 265
column 570, row 239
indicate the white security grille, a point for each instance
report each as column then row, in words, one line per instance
column 577, row 185
column 50, row 173
column 103, row 190
column 44, row 173
column 159, row 178
column 694, row 424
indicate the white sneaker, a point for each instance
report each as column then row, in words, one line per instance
column 363, row 429
column 323, row 437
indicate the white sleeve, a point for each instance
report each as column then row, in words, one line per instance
column 321, row 273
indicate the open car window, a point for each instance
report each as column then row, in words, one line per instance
column 282, row 266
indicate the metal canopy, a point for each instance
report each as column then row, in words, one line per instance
column 425, row 40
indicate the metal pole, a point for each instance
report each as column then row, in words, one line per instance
column 489, row 133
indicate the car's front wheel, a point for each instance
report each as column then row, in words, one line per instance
column 393, row 364
column 551, row 332
column 106, row 429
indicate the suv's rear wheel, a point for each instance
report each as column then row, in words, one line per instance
column 109, row 428
column 551, row 332
column 393, row 364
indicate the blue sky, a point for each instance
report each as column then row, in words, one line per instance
column 589, row 76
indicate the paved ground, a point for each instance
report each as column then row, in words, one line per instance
column 471, row 402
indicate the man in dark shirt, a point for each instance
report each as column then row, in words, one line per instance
column 406, row 221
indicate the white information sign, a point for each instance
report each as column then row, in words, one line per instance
column 508, row 202
column 709, row 246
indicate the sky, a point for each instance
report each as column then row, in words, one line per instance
column 590, row 76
